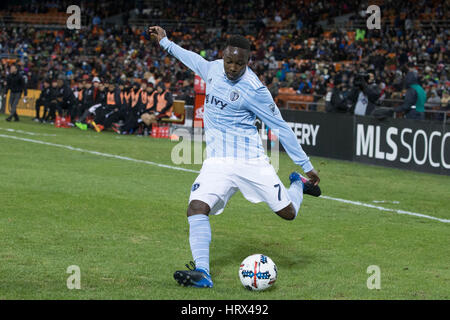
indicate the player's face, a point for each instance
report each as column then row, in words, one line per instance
column 235, row 61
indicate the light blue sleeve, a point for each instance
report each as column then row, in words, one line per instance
column 262, row 105
column 190, row 59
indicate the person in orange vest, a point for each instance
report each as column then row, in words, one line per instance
column 125, row 98
column 140, row 103
column 109, row 112
column 162, row 102
column 133, row 110
column 147, row 115
column 135, row 95
column 159, row 107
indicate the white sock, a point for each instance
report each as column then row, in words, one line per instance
column 199, row 239
column 296, row 195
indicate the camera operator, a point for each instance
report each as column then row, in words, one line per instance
column 364, row 94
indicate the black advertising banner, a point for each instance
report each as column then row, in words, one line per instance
column 399, row 143
column 322, row 135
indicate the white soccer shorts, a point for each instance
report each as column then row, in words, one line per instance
column 257, row 180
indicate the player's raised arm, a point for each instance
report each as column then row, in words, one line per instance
column 265, row 108
column 190, row 59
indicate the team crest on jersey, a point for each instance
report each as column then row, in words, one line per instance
column 273, row 107
column 234, row 95
column 195, row 186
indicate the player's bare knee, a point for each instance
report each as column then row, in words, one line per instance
column 287, row 213
column 197, row 207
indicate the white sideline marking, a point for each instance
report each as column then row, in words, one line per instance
column 28, row 132
column 357, row 203
column 385, row 209
column 97, row 153
column 386, row 201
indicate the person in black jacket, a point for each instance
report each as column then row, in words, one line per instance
column 43, row 100
column 52, row 103
column 87, row 99
column 16, row 83
column 66, row 100
column 336, row 99
column 364, row 95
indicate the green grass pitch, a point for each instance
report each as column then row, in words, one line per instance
column 124, row 224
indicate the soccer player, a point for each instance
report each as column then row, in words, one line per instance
column 235, row 155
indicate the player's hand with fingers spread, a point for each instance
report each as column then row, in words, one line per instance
column 313, row 177
column 159, row 32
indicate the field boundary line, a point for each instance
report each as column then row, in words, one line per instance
column 108, row 155
column 30, row 133
column 399, row 211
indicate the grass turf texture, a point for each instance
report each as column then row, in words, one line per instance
column 124, row 224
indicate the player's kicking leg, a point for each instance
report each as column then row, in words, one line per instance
column 299, row 186
column 199, row 238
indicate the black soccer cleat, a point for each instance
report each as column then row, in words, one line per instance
column 308, row 187
column 194, row 277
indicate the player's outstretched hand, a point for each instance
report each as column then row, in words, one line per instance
column 313, row 177
column 157, row 31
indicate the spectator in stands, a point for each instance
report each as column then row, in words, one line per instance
column 434, row 101
column 413, row 105
column 16, row 84
column 445, row 101
column 305, row 85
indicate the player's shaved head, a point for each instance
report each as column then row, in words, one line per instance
column 236, row 56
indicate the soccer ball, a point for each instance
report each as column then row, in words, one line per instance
column 257, row 272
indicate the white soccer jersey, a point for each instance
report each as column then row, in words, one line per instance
column 231, row 108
